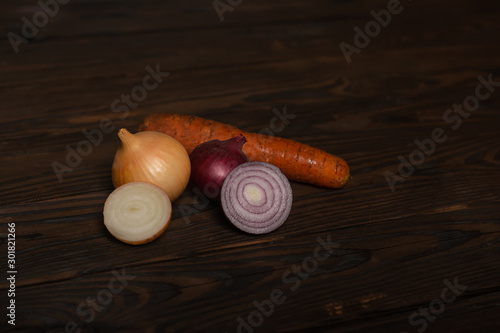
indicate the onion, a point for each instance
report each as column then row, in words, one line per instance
column 152, row 157
column 137, row 212
column 256, row 197
column 212, row 161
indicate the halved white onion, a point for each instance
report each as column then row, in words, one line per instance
column 137, row 212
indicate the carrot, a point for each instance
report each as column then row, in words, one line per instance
column 297, row 161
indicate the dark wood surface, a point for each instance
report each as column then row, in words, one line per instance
column 394, row 253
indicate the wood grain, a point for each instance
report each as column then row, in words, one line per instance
column 395, row 249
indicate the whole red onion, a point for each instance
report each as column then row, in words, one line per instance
column 212, row 161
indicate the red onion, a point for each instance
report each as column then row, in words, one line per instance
column 212, row 161
column 256, row 197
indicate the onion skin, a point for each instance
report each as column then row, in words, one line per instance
column 212, row 161
column 256, row 197
column 152, row 157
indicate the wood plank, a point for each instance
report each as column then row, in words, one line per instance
column 395, row 249
column 188, row 284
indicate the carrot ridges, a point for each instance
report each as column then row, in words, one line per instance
column 298, row 161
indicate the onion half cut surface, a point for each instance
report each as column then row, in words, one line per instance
column 137, row 212
column 256, row 197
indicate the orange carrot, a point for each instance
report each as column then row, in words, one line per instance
column 297, row 161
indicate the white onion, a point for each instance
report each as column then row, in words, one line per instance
column 151, row 157
column 137, row 212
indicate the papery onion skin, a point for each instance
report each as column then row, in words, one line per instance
column 256, row 197
column 212, row 161
column 152, row 157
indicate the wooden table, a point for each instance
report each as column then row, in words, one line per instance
column 407, row 93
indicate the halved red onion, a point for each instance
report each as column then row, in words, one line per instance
column 256, row 197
